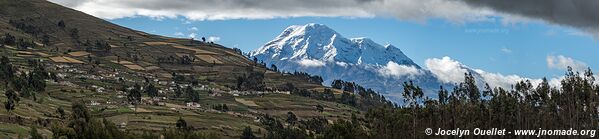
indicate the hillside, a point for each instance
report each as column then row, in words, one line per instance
column 142, row 82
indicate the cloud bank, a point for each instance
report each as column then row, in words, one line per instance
column 581, row 14
column 393, row 69
column 446, row 69
column 451, row 71
column 311, row 63
column 267, row 9
column 561, row 62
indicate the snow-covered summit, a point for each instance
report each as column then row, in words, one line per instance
column 320, row 50
column 319, row 42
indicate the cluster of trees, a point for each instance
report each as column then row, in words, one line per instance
column 22, row 24
column 25, row 84
column 327, row 95
column 9, row 39
column 192, row 95
column 189, row 93
column 20, row 43
column 184, row 59
column 310, row 78
column 316, row 127
column 352, row 94
column 81, row 124
column 133, row 94
column 572, row 105
column 99, row 45
column 221, row 107
column 26, row 26
column 525, row 106
column 369, row 97
column 253, row 81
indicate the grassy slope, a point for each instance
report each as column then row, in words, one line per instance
column 148, row 117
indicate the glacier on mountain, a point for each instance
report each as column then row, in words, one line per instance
column 319, row 50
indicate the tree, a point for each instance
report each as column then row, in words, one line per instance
column 60, row 111
column 46, row 40
column 61, row 24
column 34, row 134
column 178, row 91
column 320, row 108
column 36, row 79
column 274, row 68
column 192, row 94
column 412, row 97
column 9, row 39
column 134, row 95
column 247, row 133
column 181, row 124
column 328, row 95
column 6, row 69
column 348, row 98
column 80, row 112
column 253, row 81
column 204, row 39
column 337, row 84
column 11, row 100
column 74, row 33
column 151, row 90
column 291, row 118
column 471, row 88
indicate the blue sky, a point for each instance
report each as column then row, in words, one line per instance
column 521, row 48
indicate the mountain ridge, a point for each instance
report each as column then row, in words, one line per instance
column 320, row 50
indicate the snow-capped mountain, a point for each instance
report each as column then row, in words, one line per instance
column 320, row 50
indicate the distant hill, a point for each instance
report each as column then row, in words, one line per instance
column 81, row 58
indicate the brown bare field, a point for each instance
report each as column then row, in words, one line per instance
column 64, row 59
column 79, row 53
column 43, row 54
column 38, row 44
column 157, row 43
column 209, row 59
column 152, row 68
column 123, row 62
column 10, row 47
column 24, row 53
column 134, row 67
column 335, row 91
column 198, row 51
column 246, row 102
column 21, row 55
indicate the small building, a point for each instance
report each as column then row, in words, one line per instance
column 192, row 105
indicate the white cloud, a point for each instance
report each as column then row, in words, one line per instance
column 446, row 69
column 192, row 35
column 500, row 80
column 311, row 63
column 580, row 14
column 418, row 10
column 562, row 62
column 213, row 39
column 179, row 34
column 506, row 50
column 393, row 69
column 193, row 29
